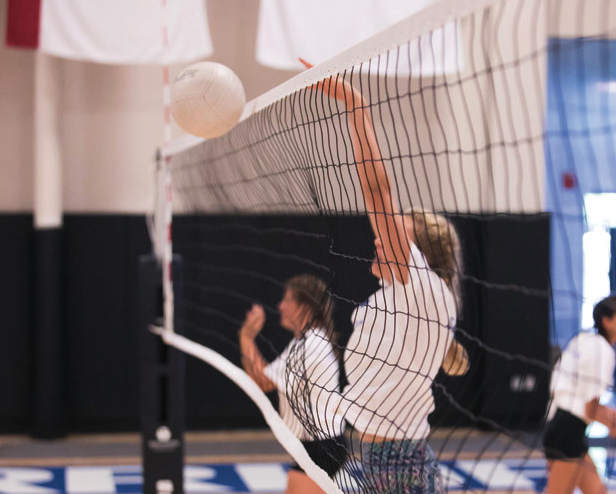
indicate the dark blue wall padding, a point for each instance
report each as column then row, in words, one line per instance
column 100, row 306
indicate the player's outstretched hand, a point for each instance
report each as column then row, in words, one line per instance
column 336, row 87
column 254, row 321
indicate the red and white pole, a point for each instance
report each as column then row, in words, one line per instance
column 164, row 181
column 162, row 410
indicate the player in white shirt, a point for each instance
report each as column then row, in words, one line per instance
column 403, row 332
column 305, row 374
column 583, row 373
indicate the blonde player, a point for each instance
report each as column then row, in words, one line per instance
column 403, row 332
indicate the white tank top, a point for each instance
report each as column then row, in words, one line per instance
column 400, row 337
column 307, row 373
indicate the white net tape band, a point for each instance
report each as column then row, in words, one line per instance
column 285, row 437
column 417, row 24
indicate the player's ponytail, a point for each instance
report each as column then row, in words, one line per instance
column 311, row 292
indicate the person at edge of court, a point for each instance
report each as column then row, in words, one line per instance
column 583, row 373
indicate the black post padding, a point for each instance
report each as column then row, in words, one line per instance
column 162, row 385
column 49, row 399
column 515, row 390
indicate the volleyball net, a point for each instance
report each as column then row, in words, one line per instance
column 497, row 116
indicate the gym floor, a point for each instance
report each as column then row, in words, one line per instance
column 252, row 461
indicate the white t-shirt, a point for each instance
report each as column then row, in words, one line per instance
column 400, row 337
column 584, row 372
column 306, row 373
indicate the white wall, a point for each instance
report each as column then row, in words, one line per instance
column 110, row 120
column 16, row 126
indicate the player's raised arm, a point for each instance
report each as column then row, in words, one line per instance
column 385, row 216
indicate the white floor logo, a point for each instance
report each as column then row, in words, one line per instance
column 511, row 475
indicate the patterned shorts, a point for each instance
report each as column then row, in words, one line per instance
column 400, row 467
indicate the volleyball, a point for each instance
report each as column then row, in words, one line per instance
column 207, row 99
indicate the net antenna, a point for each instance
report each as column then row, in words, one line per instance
column 163, row 218
column 164, row 224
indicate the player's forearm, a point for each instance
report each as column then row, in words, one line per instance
column 373, row 176
column 254, row 363
column 600, row 413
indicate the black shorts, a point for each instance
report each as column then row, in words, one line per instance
column 329, row 454
column 565, row 437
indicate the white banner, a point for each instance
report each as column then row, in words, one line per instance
column 125, row 31
column 316, row 30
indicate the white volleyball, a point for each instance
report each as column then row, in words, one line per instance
column 207, row 99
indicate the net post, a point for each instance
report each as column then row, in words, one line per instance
column 162, row 387
column 162, row 397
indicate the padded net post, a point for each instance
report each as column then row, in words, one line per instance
column 162, row 388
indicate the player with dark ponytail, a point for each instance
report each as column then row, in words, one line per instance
column 584, row 372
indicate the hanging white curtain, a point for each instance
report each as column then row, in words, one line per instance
column 125, row 32
column 317, row 30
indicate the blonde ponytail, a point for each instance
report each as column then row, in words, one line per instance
column 438, row 240
column 456, row 361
